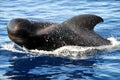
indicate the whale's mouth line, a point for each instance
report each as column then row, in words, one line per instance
column 16, row 39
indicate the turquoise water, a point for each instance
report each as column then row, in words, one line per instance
column 65, row 63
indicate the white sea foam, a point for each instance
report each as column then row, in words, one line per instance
column 73, row 52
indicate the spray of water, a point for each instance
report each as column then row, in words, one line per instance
column 74, row 52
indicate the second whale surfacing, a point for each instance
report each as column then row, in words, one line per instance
column 77, row 31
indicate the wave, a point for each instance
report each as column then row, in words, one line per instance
column 73, row 52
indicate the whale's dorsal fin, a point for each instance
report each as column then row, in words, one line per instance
column 85, row 21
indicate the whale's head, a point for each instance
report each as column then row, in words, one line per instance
column 19, row 30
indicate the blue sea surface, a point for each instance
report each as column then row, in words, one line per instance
column 68, row 62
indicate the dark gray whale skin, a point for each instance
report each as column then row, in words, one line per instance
column 77, row 31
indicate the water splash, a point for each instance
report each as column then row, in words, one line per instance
column 74, row 52
column 13, row 48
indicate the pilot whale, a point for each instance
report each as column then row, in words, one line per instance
column 77, row 31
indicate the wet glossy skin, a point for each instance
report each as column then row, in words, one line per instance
column 49, row 36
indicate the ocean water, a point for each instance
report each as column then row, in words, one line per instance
column 68, row 62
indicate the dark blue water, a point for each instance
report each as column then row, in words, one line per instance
column 65, row 63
